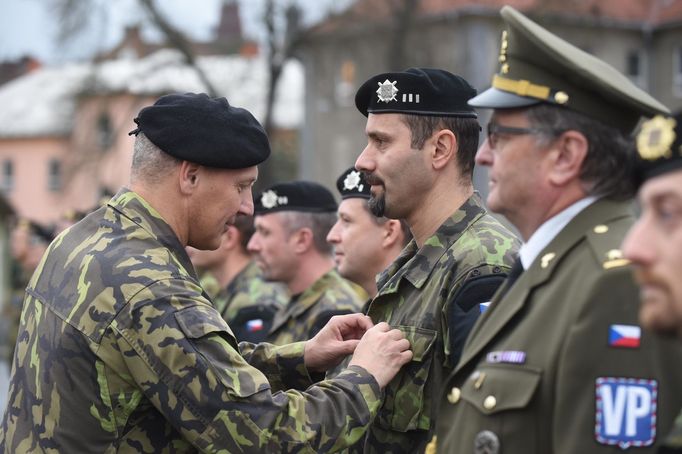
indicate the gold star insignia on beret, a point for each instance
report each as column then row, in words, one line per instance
column 655, row 137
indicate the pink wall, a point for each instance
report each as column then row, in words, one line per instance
column 87, row 168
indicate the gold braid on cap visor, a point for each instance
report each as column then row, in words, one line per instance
column 528, row 89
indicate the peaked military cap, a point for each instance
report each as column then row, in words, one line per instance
column 352, row 184
column 659, row 146
column 207, row 131
column 536, row 66
column 295, row 196
column 416, row 91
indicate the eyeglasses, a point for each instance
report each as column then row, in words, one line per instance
column 495, row 130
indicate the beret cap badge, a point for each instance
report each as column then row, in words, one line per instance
column 387, row 91
column 352, row 181
column 655, row 138
column 270, row 199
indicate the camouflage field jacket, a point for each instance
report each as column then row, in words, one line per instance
column 434, row 295
column 306, row 314
column 120, row 351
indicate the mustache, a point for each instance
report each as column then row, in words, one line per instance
column 372, row 179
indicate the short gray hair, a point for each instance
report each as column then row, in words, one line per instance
column 150, row 163
column 608, row 168
column 319, row 224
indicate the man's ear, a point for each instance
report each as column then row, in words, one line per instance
column 231, row 238
column 391, row 233
column 445, row 147
column 189, row 177
column 567, row 156
column 302, row 240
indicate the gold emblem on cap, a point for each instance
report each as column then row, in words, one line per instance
column 655, row 137
column 560, row 97
column 503, row 53
column 544, row 261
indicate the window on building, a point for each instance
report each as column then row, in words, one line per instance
column 677, row 72
column 105, row 131
column 54, row 175
column 7, row 175
column 634, row 67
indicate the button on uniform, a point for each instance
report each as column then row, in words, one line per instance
column 490, row 402
column 454, row 395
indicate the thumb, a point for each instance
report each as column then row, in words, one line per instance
column 348, row 346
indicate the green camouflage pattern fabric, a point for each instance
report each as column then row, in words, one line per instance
column 248, row 289
column 305, row 314
column 414, row 294
column 673, row 442
column 119, row 350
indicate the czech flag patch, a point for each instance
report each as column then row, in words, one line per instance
column 254, row 325
column 624, row 336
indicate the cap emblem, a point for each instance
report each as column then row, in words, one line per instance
column 270, row 199
column 352, row 181
column 655, row 138
column 387, row 91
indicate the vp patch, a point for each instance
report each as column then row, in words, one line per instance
column 626, row 411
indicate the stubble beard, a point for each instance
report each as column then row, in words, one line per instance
column 377, row 205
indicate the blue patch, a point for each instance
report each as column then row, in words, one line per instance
column 626, row 411
column 483, row 307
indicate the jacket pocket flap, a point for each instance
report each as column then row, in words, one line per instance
column 495, row 388
column 421, row 340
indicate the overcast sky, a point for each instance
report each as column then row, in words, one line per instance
column 28, row 26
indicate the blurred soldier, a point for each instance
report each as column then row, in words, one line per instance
column 120, row 350
column 67, row 219
column 292, row 221
column 419, row 160
column 364, row 244
column 558, row 363
column 28, row 242
column 654, row 243
column 235, row 283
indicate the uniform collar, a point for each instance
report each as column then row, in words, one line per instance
column 549, row 230
column 134, row 207
column 416, row 264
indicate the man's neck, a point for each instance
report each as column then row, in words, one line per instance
column 439, row 205
column 235, row 262
column 309, row 271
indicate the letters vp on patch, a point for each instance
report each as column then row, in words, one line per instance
column 626, row 411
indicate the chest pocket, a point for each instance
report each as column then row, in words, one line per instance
column 494, row 388
column 405, row 405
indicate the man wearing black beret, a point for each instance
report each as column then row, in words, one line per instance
column 364, row 244
column 120, row 349
column 422, row 138
column 654, row 243
column 292, row 221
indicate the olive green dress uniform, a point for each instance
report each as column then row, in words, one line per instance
column 119, row 350
column 529, row 376
column 305, row 314
column 558, row 364
column 430, row 293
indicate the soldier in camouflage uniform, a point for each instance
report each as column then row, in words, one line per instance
column 292, row 221
column 422, row 138
column 235, row 283
column 119, row 350
column 364, row 244
column 654, row 243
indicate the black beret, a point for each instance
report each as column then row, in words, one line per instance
column 203, row 130
column 416, row 91
column 659, row 147
column 352, row 183
column 295, row 196
column 536, row 66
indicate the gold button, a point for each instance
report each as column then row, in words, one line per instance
column 454, row 395
column 601, row 228
column 489, row 402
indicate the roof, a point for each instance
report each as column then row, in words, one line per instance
column 43, row 103
column 642, row 13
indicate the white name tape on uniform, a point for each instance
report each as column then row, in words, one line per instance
column 626, row 411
